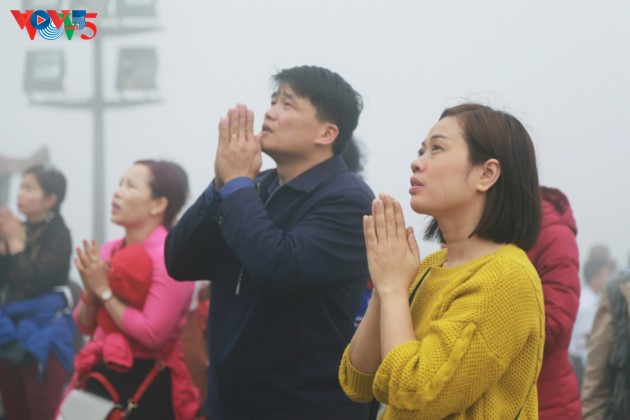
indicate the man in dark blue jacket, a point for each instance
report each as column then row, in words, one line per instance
column 284, row 250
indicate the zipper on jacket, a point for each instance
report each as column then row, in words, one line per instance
column 240, row 275
column 238, row 282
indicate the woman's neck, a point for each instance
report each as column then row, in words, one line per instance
column 464, row 250
column 457, row 227
column 462, row 247
column 37, row 218
column 137, row 234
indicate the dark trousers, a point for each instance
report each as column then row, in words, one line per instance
column 155, row 404
column 25, row 396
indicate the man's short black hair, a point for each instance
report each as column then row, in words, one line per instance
column 333, row 98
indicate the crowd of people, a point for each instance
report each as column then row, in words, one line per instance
column 296, row 293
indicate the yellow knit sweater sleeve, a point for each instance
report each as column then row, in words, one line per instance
column 480, row 330
column 358, row 385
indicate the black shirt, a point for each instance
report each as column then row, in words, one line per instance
column 44, row 263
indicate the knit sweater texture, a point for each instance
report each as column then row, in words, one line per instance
column 480, row 335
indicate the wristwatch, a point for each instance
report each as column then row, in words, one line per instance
column 106, row 295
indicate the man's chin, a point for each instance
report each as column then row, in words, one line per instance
column 266, row 150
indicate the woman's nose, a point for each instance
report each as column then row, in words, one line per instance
column 417, row 165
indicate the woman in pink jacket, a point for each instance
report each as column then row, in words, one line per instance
column 148, row 198
column 555, row 256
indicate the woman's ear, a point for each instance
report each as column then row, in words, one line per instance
column 491, row 170
column 50, row 201
column 159, row 206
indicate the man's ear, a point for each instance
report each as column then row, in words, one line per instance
column 328, row 134
column 490, row 172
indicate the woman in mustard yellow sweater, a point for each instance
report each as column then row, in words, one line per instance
column 461, row 334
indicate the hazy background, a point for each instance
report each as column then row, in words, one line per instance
column 562, row 67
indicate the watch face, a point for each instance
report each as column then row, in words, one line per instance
column 106, row 295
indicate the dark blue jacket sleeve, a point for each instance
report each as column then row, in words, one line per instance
column 188, row 250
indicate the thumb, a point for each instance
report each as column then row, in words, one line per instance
column 413, row 244
column 258, row 138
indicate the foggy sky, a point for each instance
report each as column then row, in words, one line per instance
column 562, row 67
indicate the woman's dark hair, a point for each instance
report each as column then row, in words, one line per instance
column 512, row 212
column 52, row 182
column 168, row 180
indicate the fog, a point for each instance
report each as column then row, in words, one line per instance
column 562, row 67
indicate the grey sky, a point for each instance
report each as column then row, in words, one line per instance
column 562, row 67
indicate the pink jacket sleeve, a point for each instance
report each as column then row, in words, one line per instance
column 166, row 306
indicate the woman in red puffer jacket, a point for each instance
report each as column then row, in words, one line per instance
column 555, row 256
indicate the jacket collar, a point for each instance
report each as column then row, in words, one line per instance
column 310, row 179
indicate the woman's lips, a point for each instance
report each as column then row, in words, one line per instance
column 415, row 185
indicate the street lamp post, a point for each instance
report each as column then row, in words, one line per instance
column 98, row 152
column 98, row 104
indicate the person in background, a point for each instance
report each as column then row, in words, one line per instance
column 433, row 342
column 606, row 383
column 354, row 158
column 556, row 258
column 284, row 250
column 145, row 204
column 596, row 271
column 36, row 330
column 193, row 338
column 599, row 252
